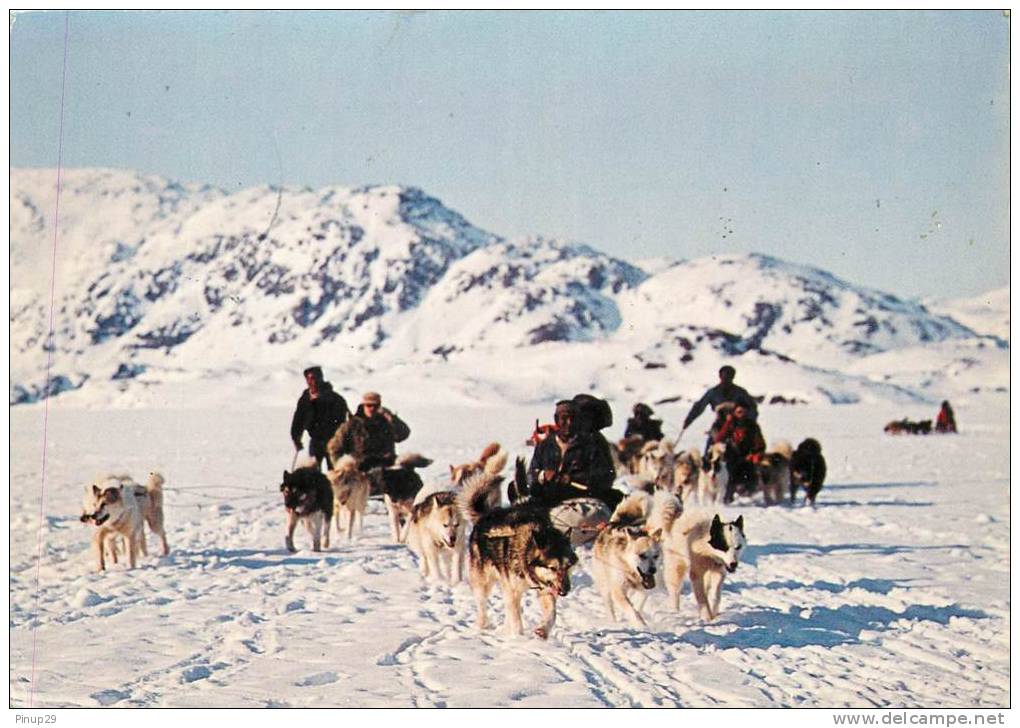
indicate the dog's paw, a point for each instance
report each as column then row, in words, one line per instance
column 289, row 545
column 542, row 633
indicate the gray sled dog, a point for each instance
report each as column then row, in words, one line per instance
column 119, row 507
column 701, row 546
column 774, row 472
column 350, row 494
column 519, row 548
column 625, row 558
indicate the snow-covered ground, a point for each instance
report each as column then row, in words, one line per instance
column 893, row 592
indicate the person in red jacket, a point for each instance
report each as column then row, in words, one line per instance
column 946, row 420
column 744, row 447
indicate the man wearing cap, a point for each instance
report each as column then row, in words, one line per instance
column 370, row 435
column 574, row 463
column 320, row 411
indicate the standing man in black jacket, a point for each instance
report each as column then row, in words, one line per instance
column 320, row 411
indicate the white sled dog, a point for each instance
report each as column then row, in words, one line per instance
column 625, row 558
column 350, row 494
column 713, row 481
column 435, row 534
column 119, row 507
column 702, row 547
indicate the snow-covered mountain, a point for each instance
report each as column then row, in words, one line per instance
column 157, row 281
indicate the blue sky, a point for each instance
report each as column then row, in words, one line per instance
column 874, row 145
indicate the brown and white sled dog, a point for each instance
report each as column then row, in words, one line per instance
column 350, row 494
column 119, row 507
column 626, row 557
column 435, row 533
column 685, row 474
column 712, row 481
column 519, row 548
column 492, row 461
column 774, row 472
column 656, row 463
column 703, row 547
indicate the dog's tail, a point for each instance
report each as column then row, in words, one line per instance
column 154, row 488
column 479, row 495
column 413, row 460
column 496, row 460
column 666, row 510
column 783, row 447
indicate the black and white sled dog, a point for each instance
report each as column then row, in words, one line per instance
column 119, row 507
column 308, row 497
column 807, row 468
column 626, row 557
column 436, row 533
column 701, row 546
column 714, row 475
column 399, row 485
column 518, row 547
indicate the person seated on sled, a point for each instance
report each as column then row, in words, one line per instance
column 744, row 447
column 319, row 412
column 642, row 425
column 370, row 435
column 574, row 463
column 946, row 420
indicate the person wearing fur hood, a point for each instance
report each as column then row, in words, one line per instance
column 572, row 463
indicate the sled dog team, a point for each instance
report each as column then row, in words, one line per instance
column 522, row 546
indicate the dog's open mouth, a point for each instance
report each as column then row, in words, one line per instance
column 100, row 520
column 647, row 580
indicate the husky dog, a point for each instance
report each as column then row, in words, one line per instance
column 350, row 493
column 807, row 468
column 435, row 533
column 624, row 560
column 704, row 548
column 657, row 462
column 399, row 485
column 685, row 474
column 308, row 497
column 714, row 475
column 118, row 506
column 774, row 471
column 625, row 557
column 518, row 547
column 492, row 461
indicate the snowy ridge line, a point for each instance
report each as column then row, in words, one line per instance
column 156, row 276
